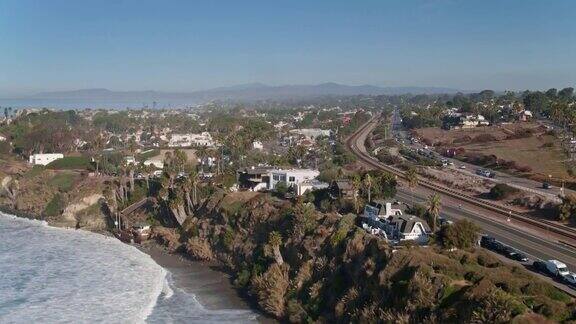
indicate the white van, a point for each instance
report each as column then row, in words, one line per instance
column 557, row 268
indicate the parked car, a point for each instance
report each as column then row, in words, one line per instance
column 570, row 279
column 546, row 185
column 443, row 221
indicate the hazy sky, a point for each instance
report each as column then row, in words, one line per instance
column 192, row 45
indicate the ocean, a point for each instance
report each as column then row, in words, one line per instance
column 80, row 104
column 53, row 275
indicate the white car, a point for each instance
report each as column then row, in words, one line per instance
column 570, row 279
column 462, row 167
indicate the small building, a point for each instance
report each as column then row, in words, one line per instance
column 130, row 160
column 257, row 145
column 310, row 185
column 44, row 159
column 141, row 232
column 342, row 189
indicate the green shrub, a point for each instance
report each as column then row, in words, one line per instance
column 242, row 279
column 35, row 171
column 55, row 206
column 344, row 225
column 227, row 238
column 502, row 191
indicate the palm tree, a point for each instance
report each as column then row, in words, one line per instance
column 274, row 241
column 97, row 146
column 412, row 179
column 434, row 205
column 356, row 181
column 368, row 185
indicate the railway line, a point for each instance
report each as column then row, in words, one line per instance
column 355, row 144
column 531, row 236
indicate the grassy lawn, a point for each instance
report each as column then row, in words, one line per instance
column 148, row 154
column 63, row 181
column 530, row 152
column 35, row 171
column 69, row 163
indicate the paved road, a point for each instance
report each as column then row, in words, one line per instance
column 470, row 169
column 531, row 241
column 536, row 247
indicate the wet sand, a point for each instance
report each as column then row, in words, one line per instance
column 212, row 287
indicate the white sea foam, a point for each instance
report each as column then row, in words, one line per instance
column 50, row 275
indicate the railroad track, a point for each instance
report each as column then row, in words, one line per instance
column 352, row 144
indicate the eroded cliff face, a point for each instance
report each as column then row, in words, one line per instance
column 86, row 213
column 301, row 265
column 43, row 194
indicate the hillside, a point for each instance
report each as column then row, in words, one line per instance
column 300, row 265
column 247, row 92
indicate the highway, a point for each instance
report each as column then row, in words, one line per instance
column 536, row 242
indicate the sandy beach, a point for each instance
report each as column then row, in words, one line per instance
column 212, row 287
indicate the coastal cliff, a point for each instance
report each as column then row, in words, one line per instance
column 298, row 265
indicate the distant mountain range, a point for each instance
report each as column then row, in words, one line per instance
column 247, row 92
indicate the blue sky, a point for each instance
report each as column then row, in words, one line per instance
column 193, row 45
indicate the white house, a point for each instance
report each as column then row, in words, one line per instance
column 187, row 140
column 44, row 159
column 408, row 227
column 310, row 185
column 398, row 226
column 471, row 121
column 292, row 177
column 380, row 209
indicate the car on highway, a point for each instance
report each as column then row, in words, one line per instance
column 546, row 185
column 485, row 173
column 518, row 256
column 570, row 279
column 540, row 266
column 462, row 167
column 487, row 242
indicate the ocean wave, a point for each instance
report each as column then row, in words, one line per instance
column 50, row 275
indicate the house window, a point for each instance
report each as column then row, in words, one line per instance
column 276, row 177
column 291, row 179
